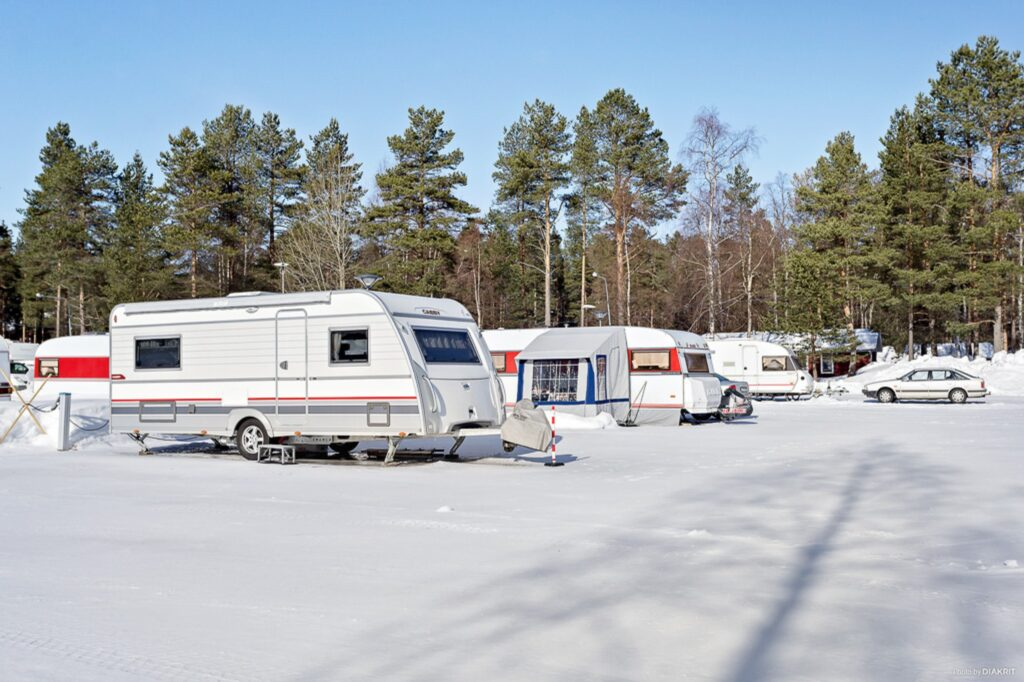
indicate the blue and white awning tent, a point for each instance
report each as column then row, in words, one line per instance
column 581, row 371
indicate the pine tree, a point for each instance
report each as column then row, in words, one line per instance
column 10, row 302
column 242, row 212
column 639, row 185
column 134, row 261
column 978, row 100
column 321, row 243
column 532, row 167
column 64, row 214
column 419, row 214
column 194, row 192
column 914, row 189
column 278, row 173
column 840, row 204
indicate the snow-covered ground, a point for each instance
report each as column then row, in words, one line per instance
column 1003, row 374
column 824, row 540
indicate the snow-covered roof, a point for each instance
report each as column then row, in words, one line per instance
column 395, row 303
column 87, row 346
column 572, row 342
column 511, row 339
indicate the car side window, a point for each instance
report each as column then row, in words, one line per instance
column 920, row 375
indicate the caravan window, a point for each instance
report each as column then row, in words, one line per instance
column 778, row 363
column 49, row 367
column 697, row 363
column 650, row 360
column 350, row 345
column 158, row 353
column 555, row 380
column 446, row 346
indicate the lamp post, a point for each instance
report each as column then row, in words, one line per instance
column 281, row 265
column 607, row 299
column 600, row 315
column 587, row 307
column 367, row 280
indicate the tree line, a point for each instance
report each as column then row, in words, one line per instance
column 927, row 247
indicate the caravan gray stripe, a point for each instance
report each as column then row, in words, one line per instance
column 183, row 409
column 357, row 377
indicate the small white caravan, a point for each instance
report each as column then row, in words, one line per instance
column 670, row 373
column 79, row 365
column 770, row 369
column 583, row 371
column 329, row 367
column 671, row 376
column 505, row 346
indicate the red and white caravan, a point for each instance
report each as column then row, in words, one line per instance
column 670, row 372
column 79, row 365
column 330, row 367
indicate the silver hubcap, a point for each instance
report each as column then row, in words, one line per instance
column 252, row 438
column 958, row 396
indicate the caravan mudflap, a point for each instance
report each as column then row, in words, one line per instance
column 527, row 426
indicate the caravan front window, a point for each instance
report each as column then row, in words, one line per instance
column 446, row 346
column 778, row 363
column 555, row 380
column 49, row 367
column 349, row 345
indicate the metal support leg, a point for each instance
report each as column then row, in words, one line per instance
column 140, row 438
column 393, row 442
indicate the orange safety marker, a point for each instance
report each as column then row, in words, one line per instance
column 554, row 459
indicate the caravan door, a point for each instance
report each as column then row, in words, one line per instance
column 751, row 361
column 291, row 366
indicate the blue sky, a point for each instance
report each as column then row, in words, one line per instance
column 127, row 74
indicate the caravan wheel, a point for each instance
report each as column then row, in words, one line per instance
column 251, row 435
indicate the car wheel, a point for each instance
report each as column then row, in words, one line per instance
column 343, row 448
column 886, row 395
column 958, row 395
column 250, row 436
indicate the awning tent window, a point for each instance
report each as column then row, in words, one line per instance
column 555, row 380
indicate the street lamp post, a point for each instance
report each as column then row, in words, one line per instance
column 607, row 299
column 281, row 265
column 600, row 315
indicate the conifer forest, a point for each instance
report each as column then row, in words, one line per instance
column 596, row 218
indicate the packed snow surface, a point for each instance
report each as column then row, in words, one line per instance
column 832, row 539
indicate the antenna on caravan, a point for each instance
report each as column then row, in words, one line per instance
column 368, row 280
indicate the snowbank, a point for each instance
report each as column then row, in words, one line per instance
column 1003, row 375
column 571, row 422
column 89, row 423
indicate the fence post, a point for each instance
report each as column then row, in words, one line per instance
column 64, row 422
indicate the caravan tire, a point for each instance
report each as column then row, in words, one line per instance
column 250, row 436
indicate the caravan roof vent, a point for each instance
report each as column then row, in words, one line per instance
column 246, row 293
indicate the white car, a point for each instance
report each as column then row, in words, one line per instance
column 933, row 383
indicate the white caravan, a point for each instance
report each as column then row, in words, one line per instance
column 505, row 346
column 770, row 369
column 79, row 365
column 330, row 367
column 671, row 376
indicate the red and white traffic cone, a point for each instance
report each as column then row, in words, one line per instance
column 554, row 459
